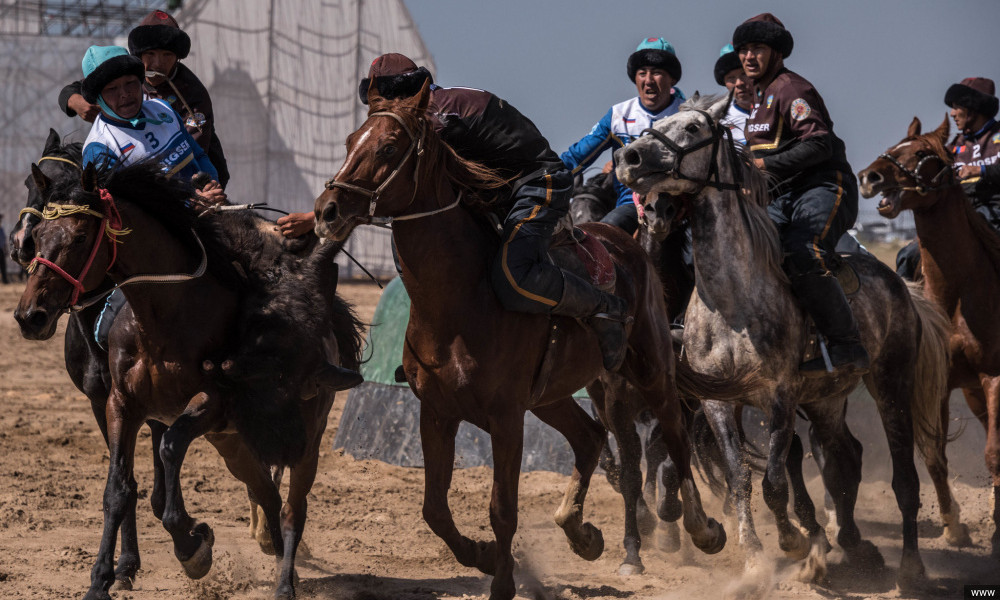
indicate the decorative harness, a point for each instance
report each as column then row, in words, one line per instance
column 914, row 174
column 111, row 225
column 713, row 170
column 416, row 142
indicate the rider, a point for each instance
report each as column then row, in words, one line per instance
column 974, row 106
column 815, row 201
column 160, row 43
column 729, row 72
column 481, row 127
column 654, row 70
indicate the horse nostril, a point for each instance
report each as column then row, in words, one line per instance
column 38, row 319
column 330, row 212
column 872, row 177
column 632, row 158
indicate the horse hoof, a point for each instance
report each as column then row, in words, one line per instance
column 796, row 547
column 199, row 564
column 866, row 558
column 668, row 538
column 911, row 577
column 592, row 546
column 123, row 584
column 670, row 508
column 629, row 569
column 284, row 592
column 958, row 536
column 99, row 595
column 717, row 542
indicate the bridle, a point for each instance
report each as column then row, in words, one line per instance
column 713, row 140
column 417, row 145
column 914, row 174
column 111, row 226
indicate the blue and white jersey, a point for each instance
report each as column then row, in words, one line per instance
column 113, row 143
column 622, row 124
column 736, row 121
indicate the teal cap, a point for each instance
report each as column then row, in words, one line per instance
column 655, row 44
column 727, row 49
column 97, row 55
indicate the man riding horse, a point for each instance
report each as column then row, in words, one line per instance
column 815, row 201
column 974, row 106
column 481, row 127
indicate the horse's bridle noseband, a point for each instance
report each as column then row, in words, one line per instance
column 713, row 170
column 416, row 143
column 914, row 174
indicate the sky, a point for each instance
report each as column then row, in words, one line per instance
column 876, row 63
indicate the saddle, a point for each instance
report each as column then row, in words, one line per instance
column 589, row 258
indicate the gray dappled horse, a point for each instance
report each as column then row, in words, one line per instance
column 743, row 316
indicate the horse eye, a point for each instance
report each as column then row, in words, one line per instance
column 80, row 239
column 388, row 150
column 692, row 128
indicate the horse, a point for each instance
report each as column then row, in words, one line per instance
column 164, row 346
column 592, row 199
column 743, row 315
column 960, row 254
column 459, row 338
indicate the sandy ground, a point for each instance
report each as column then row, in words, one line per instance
column 365, row 536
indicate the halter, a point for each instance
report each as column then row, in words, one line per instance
column 415, row 142
column 713, row 170
column 61, row 159
column 914, row 174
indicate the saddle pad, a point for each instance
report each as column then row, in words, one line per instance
column 596, row 258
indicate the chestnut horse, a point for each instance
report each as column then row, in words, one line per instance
column 467, row 358
column 960, row 255
column 164, row 342
column 743, row 315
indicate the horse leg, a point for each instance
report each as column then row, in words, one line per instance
column 507, row 437
column 120, row 493
column 623, row 427
column 192, row 541
column 892, row 390
column 991, row 420
column 607, row 461
column 775, row 483
column 655, row 451
column 935, row 457
column 815, row 566
column 586, row 437
column 669, row 507
column 707, row 534
column 437, row 441
column 722, row 419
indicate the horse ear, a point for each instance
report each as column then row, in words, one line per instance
column 719, row 109
column 914, row 129
column 41, row 181
column 52, row 143
column 89, row 178
column 373, row 95
column 943, row 130
column 424, row 96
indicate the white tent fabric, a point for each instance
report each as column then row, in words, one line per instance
column 283, row 78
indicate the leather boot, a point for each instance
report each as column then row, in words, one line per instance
column 605, row 313
column 824, row 300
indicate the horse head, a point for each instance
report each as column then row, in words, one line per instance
column 381, row 174
column 69, row 257
column 673, row 161
column 906, row 172
column 57, row 162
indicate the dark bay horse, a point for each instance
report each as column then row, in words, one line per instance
column 743, row 315
column 162, row 349
column 467, row 358
column 960, row 254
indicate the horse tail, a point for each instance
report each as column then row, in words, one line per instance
column 692, row 384
column 708, row 455
column 931, row 377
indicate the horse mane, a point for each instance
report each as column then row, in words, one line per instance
column 981, row 228
column 753, row 199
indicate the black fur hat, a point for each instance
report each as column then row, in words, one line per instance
column 395, row 75
column 159, row 31
column 103, row 64
column 976, row 94
column 657, row 53
column 765, row 28
column 728, row 61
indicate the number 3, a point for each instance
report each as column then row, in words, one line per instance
column 153, row 142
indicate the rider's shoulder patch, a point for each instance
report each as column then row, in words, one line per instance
column 800, row 109
column 995, row 139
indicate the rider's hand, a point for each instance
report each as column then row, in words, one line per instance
column 296, row 224
column 759, row 163
column 212, row 193
column 966, row 171
column 85, row 110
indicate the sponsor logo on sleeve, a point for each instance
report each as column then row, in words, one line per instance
column 770, row 99
column 800, row 109
column 995, row 139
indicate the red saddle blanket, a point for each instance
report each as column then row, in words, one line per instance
column 592, row 254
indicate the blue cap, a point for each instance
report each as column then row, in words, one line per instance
column 656, row 44
column 728, row 48
column 97, row 55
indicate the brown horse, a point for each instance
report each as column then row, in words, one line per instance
column 467, row 358
column 162, row 350
column 960, row 255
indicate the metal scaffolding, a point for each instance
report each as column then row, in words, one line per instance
column 74, row 18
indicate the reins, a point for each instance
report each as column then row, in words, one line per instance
column 112, row 227
column 713, row 170
column 914, row 174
